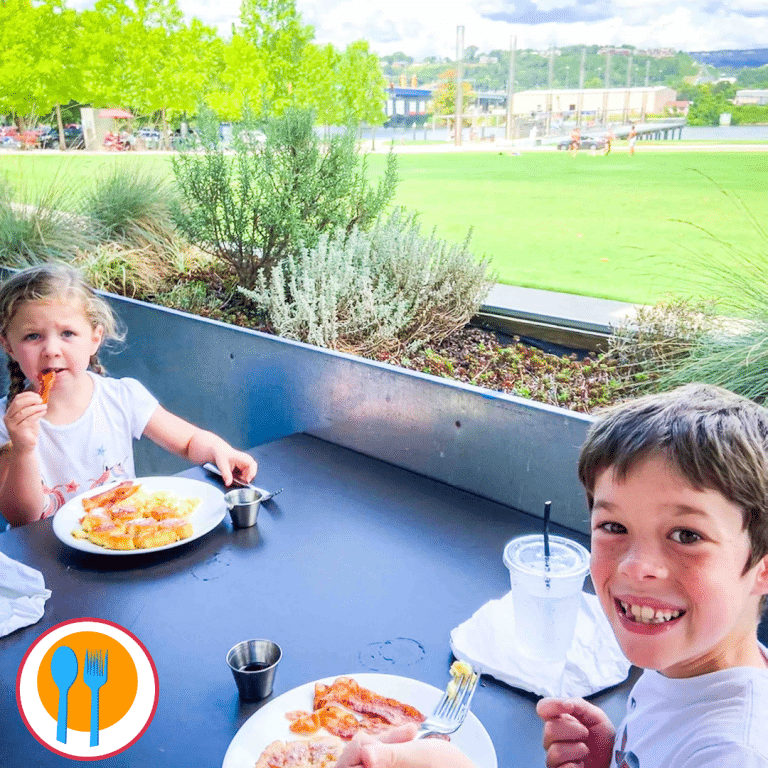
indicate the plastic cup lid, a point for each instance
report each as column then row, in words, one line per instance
column 567, row 559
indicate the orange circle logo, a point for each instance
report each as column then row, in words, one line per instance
column 87, row 689
column 122, row 680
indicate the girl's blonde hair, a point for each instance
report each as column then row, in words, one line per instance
column 54, row 282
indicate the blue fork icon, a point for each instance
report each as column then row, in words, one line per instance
column 94, row 676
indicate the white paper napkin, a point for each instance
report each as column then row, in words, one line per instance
column 22, row 595
column 593, row 662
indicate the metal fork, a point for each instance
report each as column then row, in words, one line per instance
column 453, row 707
column 265, row 495
column 94, row 676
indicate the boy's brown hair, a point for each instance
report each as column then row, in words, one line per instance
column 712, row 437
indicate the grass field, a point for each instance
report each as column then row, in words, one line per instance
column 618, row 227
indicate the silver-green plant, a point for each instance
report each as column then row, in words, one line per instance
column 653, row 341
column 392, row 289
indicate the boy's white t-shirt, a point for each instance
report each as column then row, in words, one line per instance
column 719, row 720
column 95, row 449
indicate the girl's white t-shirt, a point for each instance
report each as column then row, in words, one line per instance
column 95, row 449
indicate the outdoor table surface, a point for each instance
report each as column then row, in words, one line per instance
column 358, row 566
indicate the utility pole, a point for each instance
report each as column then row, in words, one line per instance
column 511, row 90
column 647, row 72
column 629, row 88
column 550, row 78
column 580, row 103
column 606, row 86
column 457, row 128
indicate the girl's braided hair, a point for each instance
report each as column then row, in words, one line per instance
column 53, row 282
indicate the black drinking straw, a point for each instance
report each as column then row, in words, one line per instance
column 547, row 508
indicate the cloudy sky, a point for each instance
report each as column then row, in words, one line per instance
column 423, row 28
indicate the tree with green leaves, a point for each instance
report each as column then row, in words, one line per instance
column 140, row 54
column 276, row 30
column 274, row 199
column 37, row 71
column 444, row 96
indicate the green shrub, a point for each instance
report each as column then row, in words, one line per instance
column 133, row 206
column 391, row 289
column 31, row 232
column 266, row 201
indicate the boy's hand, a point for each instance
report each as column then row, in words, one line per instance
column 396, row 749
column 22, row 420
column 577, row 734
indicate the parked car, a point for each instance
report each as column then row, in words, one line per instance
column 587, row 142
column 150, row 137
column 73, row 138
column 9, row 142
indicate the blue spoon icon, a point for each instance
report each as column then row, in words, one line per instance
column 64, row 673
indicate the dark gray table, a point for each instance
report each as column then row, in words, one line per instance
column 357, row 566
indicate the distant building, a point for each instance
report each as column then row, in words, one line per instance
column 617, row 51
column 654, row 53
column 751, row 97
column 405, row 106
column 639, row 100
column 677, row 107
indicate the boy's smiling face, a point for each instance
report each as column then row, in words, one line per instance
column 668, row 566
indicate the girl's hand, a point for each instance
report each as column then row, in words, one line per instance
column 396, row 749
column 234, row 464
column 22, row 420
column 577, row 734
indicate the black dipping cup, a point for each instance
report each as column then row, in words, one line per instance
column 253, row 664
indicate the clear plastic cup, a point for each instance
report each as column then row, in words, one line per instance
column 546, row 593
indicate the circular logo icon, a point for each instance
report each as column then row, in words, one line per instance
column 87, row 689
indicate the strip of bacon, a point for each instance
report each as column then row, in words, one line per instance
column 46, row 383
column 112, row 496
column 345, row 707
column 348, row 693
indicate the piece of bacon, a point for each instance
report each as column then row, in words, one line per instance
column 46, row 380
column 350, row 694
column 112, row 496
column 336, row 705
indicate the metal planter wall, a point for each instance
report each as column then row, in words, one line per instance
column 251, row 388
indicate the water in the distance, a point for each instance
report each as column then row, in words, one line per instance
column 725, row 132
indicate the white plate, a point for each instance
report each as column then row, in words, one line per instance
column 205, row 518
column 270, row 723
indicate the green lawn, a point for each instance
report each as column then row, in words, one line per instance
column 619, row 227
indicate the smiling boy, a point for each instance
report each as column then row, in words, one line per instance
column 677, row 485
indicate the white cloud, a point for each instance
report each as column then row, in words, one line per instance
column 423, row 28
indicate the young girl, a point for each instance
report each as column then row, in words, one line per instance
column 51, row 321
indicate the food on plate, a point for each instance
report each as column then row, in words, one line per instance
column 112, row 496
column 345, row 707
column 130, row 517
column 46, row 379
column 303, row 753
